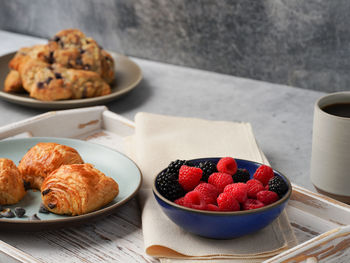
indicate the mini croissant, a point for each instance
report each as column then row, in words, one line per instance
column 11, row 183
column 77, row 189
column 44, row 158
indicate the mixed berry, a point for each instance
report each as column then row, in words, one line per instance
column 220, row 186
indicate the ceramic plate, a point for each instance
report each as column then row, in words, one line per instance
column 127, row 74
column 112, row 163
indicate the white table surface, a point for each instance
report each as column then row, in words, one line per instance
column 281, row 117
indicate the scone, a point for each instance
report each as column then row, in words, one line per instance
column 72, row 49
column 70, row 66
column 85, row 84
column 41, row 81
column 43, row 158
column 107, row 67
column 77, row 189
column 13, row 81
column 11, row 183
column 37, row 52
column 52, row 82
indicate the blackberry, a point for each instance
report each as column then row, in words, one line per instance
column 241, row 176
column 175, row 166
column 208, row 168
column 168, row 185
column 278, row 185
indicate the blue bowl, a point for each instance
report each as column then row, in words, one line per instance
column 224, row 225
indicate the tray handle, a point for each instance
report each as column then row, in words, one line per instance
column 333, row 244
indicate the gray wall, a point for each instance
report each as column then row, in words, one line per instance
column 304, row 43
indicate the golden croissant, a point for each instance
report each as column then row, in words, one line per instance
column 43, row 158
column 11, row 183
column 77, row 189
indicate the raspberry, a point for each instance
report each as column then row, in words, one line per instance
column 220, row 180
column 267, row 197
column 241, row 176
column 252, row 204
column 209, row 191
column 278, row 185
column 208, row 168
column 168, row 186
column 226, row 202
column 264, row 173
column 238, row 190
column 227, row 165
column 179, row 201
column 194, row 200
column 212, row 207
column 189, row 177
column 254, row 187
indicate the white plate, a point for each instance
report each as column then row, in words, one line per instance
column 127, row 73
column 112, row 163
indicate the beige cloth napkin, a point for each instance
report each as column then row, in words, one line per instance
column 160, row 139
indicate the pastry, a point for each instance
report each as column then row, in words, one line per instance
column 77, row 189
column 42, row 159
column 52, row 82
column 72, row 49
column 107, row 67
column 41, row 82
column 70, row 66
column 85, row 84
column 13, row 82
column 37, row 52
column 11, row 183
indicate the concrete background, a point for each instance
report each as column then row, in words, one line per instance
column 298, row 43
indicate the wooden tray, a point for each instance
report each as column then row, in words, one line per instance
column 321, row 224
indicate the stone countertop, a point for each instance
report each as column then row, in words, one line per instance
column 281, row 116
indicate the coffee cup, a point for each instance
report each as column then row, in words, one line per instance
column 330, row 157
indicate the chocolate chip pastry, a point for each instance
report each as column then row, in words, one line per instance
column 77, row 189
column 11, row 184
column 70, row 66
column 42, row 159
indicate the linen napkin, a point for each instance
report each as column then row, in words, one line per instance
column 160, row 139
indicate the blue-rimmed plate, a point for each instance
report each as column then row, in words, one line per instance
column 112, row 163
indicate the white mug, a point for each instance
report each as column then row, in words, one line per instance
column 330, row 157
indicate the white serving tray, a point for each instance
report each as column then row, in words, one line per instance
column 320, row 224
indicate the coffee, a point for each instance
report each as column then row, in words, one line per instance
column 338, row 109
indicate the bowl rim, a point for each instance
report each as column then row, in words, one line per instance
column 285, row 198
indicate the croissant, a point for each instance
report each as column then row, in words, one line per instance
column 11, row 183
column 77, row 189
column 43, row 158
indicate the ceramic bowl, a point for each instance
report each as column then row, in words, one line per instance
column 223, row 225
